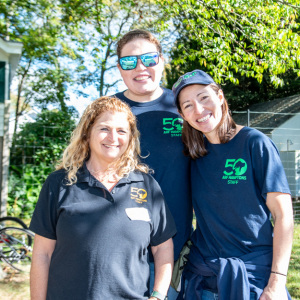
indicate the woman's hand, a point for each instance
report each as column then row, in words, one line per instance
column 275, row 290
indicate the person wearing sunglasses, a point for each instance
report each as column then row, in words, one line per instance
column 141, row 64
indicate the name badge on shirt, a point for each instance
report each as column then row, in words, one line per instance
column 138, row 214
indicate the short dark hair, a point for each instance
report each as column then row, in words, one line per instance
column 137, row 34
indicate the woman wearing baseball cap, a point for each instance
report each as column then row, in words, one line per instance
column 238, row 183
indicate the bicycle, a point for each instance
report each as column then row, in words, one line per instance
column 15, row 244
column 12, row 222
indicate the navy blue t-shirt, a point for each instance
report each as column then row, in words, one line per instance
column 160, row 126
column 229, row 188
column 102, row 237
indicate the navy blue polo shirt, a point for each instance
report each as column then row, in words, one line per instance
column 102, row 237
column 160, row 126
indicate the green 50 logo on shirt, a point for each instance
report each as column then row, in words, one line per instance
column 139, row 195
column 234, row 169
column 172, row 126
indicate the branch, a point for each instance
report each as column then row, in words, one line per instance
column 221, row 7
column 111, row 67
column 287, row 4
column 125, row 20
column 98, row 14
column 112, row 84
column 226, row 36
column 24, row 106
column 108, row 86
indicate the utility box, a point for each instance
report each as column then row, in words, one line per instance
column 291, row 164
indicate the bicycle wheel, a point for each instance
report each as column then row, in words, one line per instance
column 14, row 247
column 12, row 222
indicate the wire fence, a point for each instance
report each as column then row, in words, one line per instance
column 284, row 130
column 36, row 159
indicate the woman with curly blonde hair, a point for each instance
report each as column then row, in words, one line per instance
column 79, row 151
column 98, row 213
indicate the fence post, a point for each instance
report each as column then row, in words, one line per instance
column 248, row 117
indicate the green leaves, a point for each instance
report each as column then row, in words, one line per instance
column 237, row 37
column 250, row 47
column 36, row 150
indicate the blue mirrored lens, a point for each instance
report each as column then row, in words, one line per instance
column 128, row 62
column 150, row 59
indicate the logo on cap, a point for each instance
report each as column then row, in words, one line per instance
column 177, row 83
column 188, row 75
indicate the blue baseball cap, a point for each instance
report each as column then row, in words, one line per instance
column 189, row 78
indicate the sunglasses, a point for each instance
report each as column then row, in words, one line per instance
column 150, row 59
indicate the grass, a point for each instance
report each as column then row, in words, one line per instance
column 293, row 280
column 16, row 286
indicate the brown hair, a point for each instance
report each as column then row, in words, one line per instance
column 78, row 151
column 193, row 139
column 137, row 34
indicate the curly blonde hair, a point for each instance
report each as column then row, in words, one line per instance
column 78, row 151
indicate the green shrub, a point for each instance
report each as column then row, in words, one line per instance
column 35, row 152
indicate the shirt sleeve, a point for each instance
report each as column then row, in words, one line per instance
column 44, row 217
column 163, row 225
column 267, row 166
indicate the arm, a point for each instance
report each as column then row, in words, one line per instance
column 280, row 206
column 163, row 255
column 41, row 256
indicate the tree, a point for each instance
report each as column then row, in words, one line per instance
column 68, row 42
column 42, row 76
column 249, row 91
column 234, row 39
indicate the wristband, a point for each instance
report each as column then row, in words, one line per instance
column 278, row 273
column 158, row 295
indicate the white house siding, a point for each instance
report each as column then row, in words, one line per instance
column 10, row 53
column 3, row 55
